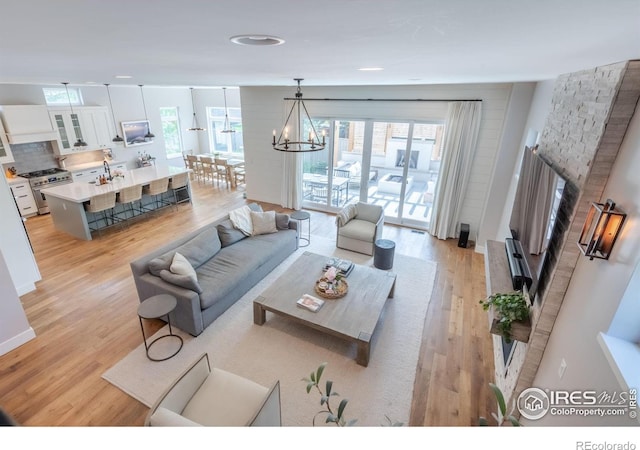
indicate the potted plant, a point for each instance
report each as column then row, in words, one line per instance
column 509, row 309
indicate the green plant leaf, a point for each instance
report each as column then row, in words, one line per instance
column 513, row 421
column 310, row 386
column 328, row 388
column 482, row 421
column 320, row 371
column 342, row 406
column 323, row 399
column 500, row 398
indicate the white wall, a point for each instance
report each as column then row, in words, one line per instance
column 594, row 297
column 263, row 110
column 18, row 273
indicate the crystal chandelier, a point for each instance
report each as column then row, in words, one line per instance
column 297, row 144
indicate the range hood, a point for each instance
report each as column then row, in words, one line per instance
column 24, row 124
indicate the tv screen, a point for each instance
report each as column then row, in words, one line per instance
column 134, row 133
column 533, row 218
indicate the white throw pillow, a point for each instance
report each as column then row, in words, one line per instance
column 263, row 222
column 241, row 220
column 181, row 266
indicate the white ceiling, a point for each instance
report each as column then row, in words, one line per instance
column 186, row 42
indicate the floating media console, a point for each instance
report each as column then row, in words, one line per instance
column 518, row 265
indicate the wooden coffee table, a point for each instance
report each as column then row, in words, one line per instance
column 353, row 317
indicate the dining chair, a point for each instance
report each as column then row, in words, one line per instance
column 207, row 168
column 195, row 166
column 223, row 170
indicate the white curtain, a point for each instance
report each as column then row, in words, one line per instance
column 292, row 180
column 459, row 147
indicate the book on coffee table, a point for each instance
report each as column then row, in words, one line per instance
column 310, row 302
column 344, row 266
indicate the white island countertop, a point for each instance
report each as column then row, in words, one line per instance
column 80, row 192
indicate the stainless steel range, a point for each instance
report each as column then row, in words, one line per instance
column 41, row 179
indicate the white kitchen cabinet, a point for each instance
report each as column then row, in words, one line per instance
column 87, row 175
column 5, row 151
column 89, row 123
column 24, row 198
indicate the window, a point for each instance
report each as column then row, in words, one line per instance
column 58, row 96
column 220, row 142
column 171, row 131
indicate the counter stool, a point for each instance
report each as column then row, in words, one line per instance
column 104, row 204
column 180, row 183
column 127, row 197
column 383, row 254
column 156, row 188
column 301, row 216
column 157, row 307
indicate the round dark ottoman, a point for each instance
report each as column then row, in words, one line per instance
column 383, row 254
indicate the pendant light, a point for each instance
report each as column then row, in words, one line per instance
column 194, row 126
column 117, row 138
column 298, row 144
column 79, row 142
column 149, row 134
column 227, row 127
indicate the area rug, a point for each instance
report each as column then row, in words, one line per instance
column 288, row 352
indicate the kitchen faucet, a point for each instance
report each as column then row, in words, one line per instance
column 107, row 170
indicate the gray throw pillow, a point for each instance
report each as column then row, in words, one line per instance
column 282, row 221
column 161, row 263
column 184, row 281
column 201, row 248
column 228, row 234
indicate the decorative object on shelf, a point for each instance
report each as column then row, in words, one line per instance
column 149, row 134
column 117, row 138
column 298, row 144
column 80, row 142
column 194, row 126
column 145, row 160
column 227, row 127
column 509, row 310
column 332, row 285
column 601, row 229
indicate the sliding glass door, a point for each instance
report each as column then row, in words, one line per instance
column 391, row 164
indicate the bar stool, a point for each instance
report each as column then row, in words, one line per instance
column 156, row 188
column 127, row 197
column 104, row 204
column 180, row 183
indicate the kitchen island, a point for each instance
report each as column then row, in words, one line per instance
column 66, row 202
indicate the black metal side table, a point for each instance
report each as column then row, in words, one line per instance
column 301, row 216
column 157, row 307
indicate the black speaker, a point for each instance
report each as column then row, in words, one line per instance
column 464, row 235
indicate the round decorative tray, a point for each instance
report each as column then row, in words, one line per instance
column 324, row 289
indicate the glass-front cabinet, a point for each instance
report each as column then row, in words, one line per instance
column 89, row 124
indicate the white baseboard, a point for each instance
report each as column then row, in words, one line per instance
column 25, row 289
column 17, row 341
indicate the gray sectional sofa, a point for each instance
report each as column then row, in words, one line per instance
column 227, row 264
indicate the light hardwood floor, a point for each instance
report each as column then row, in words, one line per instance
column 84, row 316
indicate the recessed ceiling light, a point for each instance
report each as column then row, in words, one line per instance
column 370, row 69
column 256, row 39
column 124, row 76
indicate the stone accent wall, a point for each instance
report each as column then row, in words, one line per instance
column 583, row 133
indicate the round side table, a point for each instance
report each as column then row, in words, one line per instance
column 157, row 307
column 301, row 216
column 383, row 254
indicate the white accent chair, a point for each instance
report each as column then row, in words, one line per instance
column 359, row 226
column 205, row 397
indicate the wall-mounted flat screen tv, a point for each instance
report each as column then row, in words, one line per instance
column 134, row 133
